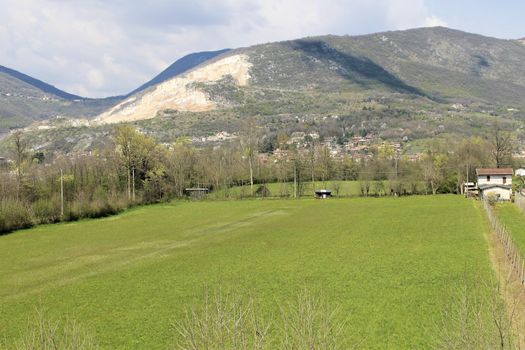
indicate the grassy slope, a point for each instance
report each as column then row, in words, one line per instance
column 514, row 219
column 388, row 263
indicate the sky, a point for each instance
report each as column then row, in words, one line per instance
column 100, row 48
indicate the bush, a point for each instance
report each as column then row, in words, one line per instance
column 14, row 215
column 46, row 333
column 262, row 191
column 234, row 322
column 492, row 199
column 83, row 207
column 46, row 211
column 223, row 322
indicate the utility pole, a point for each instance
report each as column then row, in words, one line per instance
column 294, row 179
column 133, row 176
column 129, row 184
column 466, row 187
column 61, row 193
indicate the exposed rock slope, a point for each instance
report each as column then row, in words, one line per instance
column 181, row 92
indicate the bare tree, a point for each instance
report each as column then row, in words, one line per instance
column 20, row 151
column 501, row 146
column 249, row 144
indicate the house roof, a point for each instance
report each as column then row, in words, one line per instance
column 487, row 186
column 494, row 171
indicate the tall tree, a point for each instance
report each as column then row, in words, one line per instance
column 19, row 147
column 249, row 144
column 501, row 146
column 137, row 154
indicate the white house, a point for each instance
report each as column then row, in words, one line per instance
column 520, row 172
column 496, row 181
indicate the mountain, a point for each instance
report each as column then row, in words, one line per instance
column 180, row 66
column 38, row 84
column 181, row 92
column 24, row 99
column 434, row 64
column 409, row 86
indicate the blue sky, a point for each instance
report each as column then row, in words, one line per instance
column 498, row 18
column 99, row 48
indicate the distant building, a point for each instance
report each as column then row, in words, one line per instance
column 495, row 181
column 470, row 189
column 520, row 172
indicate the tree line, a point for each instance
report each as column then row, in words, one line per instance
column 135, row 169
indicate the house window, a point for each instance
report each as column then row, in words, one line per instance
column 504, row 179
column 488, row 178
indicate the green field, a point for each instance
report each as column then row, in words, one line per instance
column 514, row 219
column 389, row 266
column 286, row 189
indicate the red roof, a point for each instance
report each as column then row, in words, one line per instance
column 494, row 171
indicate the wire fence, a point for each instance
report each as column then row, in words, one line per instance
column 519, row 200
column 514, row 258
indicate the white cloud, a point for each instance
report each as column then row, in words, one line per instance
column 434, row 21
column 99, row 48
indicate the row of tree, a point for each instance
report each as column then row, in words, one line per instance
column 135, row 169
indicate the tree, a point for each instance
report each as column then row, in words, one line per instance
column 137, row 153
column 434, row 166
column 249, row 144
column 501, row 146
column 19, row 147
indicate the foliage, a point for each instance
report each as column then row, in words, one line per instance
column 262, row 191
column 14, row 215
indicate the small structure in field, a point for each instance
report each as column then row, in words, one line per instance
column 496, row 182
column 470, row 189
column 323, row 194
column 196, row 192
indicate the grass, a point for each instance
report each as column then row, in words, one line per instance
column 286, row 189
column 514, row 219
column 387, row 265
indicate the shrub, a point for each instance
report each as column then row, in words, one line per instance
column 45, row 333
column 46, row 211
column 221, row 323
column 492, row 199
column 262, row 191
column 101, row 206
column 14, row 215
column 310, row 322
column 233, row 322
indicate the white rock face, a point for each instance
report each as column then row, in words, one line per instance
column 177, row 92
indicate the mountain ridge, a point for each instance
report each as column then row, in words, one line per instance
column 39, row 84
column 180, row 66
column 24, row 99
column 438, row 63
